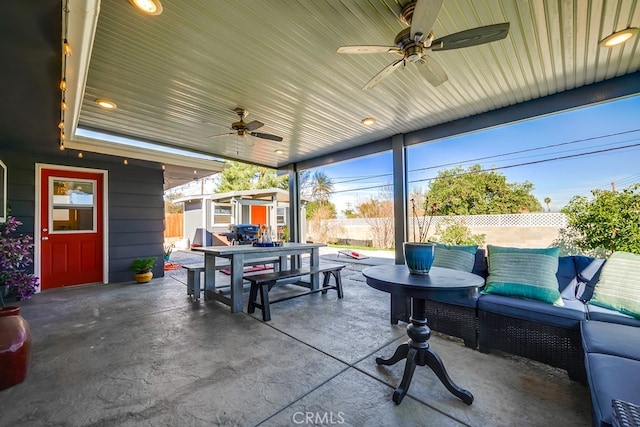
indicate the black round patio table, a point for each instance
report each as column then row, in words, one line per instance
column 396, row 280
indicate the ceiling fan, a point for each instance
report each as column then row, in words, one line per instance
column 241, row 128
column 413, row 43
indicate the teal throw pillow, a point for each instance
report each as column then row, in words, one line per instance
column 618, row 287
column 524, row 272
column 455, row 257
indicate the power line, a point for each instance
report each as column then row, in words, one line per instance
column 528, row 150
column 568, row 156
column 365, row 177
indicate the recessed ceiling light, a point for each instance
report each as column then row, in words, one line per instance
column 278, row 151
column 106, row 104
column 150, row 7
column 368, row 121
column 618, row 37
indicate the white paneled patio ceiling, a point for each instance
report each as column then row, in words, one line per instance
column 177, row 77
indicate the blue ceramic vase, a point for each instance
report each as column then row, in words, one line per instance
column 419, row 257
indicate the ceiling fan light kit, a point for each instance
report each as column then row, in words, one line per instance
column 414, row 42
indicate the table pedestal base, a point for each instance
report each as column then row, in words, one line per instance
column 418, row 353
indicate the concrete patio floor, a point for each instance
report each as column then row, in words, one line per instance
column 146, row 355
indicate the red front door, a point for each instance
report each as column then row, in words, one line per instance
column 71, row 228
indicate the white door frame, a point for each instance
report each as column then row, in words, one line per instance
column 37, row 232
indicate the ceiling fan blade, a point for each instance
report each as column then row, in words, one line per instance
column 222, row 134
column 266, row 136
column 424, row 16
column 432, row 71
column 253, row 125
column 367, row 49
column 383, row 74
column 472, row 37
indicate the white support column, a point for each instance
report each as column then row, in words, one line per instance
column 273, row 215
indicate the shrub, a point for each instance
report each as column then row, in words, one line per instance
column 452, row 232
column 15, row 257
column 608, row 221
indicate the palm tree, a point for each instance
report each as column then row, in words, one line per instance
column 547, row 200
column 321, row 187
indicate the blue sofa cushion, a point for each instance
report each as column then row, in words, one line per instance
column 619, row 285
column 568, row 316
column 480, row 266
column 611, row 338
column 612, row 316
column 524, row 273
column 588, row 273
column 611, row 377
column 455, row 257
column 566, row 275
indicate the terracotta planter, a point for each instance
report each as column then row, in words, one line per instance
column 143, row 277
column 419, row 256
column 15, row 347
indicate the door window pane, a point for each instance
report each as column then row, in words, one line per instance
column 73, row 205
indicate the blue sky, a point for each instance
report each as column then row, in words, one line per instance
column 604, row 129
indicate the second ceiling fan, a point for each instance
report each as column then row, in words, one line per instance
column 413, row 43
column 241, row 128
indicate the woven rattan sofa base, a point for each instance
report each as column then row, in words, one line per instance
column 555, row 346
column 455, row 320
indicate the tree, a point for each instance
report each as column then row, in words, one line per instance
column 321, row 186
column 547, row 201
column 170, row 206
column 328, row 209
column 609, row 220
column 350, row 213
column 319, row 226
column 241, row 176
column 378, row 213
column 475, row 191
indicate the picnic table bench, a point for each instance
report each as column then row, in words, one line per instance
column 194, row 271
column 262, row 284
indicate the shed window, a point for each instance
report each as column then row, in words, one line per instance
column 222, row 214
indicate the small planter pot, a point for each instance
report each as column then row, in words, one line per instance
column 419, row 257
column 15, row 347
column 143, row 277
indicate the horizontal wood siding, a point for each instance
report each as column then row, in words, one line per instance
column 136, row 219
column 135, row 198
column 20, row 191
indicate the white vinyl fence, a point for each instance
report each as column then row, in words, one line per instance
column 518, row 230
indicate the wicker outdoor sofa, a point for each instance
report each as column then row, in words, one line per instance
column 560, row 336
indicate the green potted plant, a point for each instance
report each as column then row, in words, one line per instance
column 142, row 268
column 167, row 251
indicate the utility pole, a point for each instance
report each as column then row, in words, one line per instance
column 613, row 187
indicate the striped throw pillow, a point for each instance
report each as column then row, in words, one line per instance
column 524, row 272
column 455, row 257
column 618, row 287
